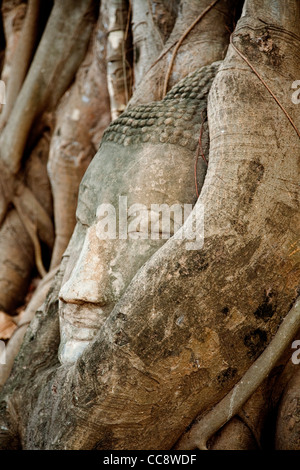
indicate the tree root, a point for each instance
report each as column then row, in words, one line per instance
column 118, row 73
column 76, row 137
column 146, row 36
column 190, row 56
column 55, row 63
column 32, row 232
column 14, row 344
column 28, row 204
column 22, row 57
column 16, row 261
column 182, row 38
column 202, row 430
column 20, row 246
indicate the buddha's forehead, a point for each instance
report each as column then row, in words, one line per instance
column 148, row 174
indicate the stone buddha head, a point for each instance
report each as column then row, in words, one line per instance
column 145, row 164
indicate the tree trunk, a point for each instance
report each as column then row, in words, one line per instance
column 56, row 60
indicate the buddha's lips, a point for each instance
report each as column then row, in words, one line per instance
column 81, row 315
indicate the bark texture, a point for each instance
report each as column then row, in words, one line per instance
column 81, row 118
column 116, row 16
column 57, row 58
column 16, row 247
column 288, row 427
column 207, row 42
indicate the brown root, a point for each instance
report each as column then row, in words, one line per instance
column 50, row 74
column 117, row 16
column 202, row 47
column 14, row 344
column 201, row 431
column 17, row 250
column 81, row 119
column 288, row 419
column 22, row 57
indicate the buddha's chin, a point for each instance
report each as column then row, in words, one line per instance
column 74, row 340
column 78, row 327
column 70, row 351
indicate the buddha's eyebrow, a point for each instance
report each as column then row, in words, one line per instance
column 130, row 167
column 85, row 206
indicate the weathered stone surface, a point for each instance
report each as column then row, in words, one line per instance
column 175, row 120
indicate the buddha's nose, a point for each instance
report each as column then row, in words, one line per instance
column 88, row 279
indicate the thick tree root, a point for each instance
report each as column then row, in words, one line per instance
column 208, row 38
column 22, row 57
column 58, row 56
column 81, row 118
column 118, row 72
column 15, row 341
column 31, row 196
column 202, row 430
column 146, row 36
column 55, row 63
column 178, row 44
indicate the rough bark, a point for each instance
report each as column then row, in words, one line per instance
column 22, row 56
column 207, row 42
column 16, row 247
column 81, row 118
column 116, row 17
column 15, row 341
column 288, row 427
column 58, row 56
column 201, row 431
